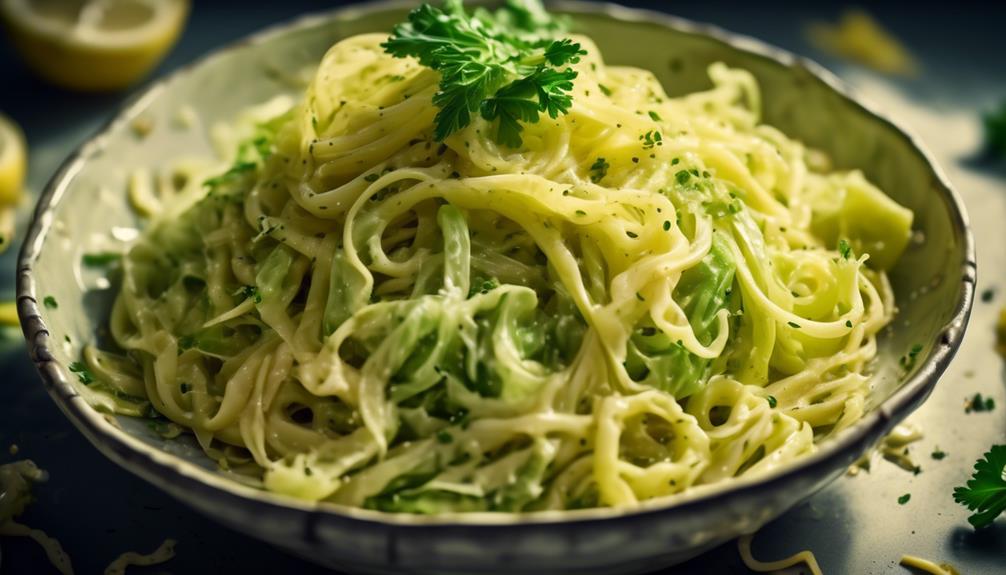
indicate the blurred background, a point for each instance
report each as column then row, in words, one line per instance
column 936, row 68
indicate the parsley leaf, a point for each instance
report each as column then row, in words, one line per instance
column 995, row 130
column 100, row 259
column 83, row 374
column 844, row 249
column 599, row 170
column 985, row 493
column 502, row 66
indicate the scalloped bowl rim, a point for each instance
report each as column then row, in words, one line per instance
column 158, row 466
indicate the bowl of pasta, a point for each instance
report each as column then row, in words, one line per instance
column 456, row 289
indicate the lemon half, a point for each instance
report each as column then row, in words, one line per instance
column 93, row 45
column 13, row 162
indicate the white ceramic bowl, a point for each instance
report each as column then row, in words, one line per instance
column 934, row 283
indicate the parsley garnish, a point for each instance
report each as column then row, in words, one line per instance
column 250, row 292
column 793, row 324
column 772, row 401
column 50, row 302
column 655, row 116
column 938, row 454
column 599, row 169
column 101, row 259
column 844, row 249
column 904, row 498
column 503, row 65
column 979, row 404
column 985, row 493
column 444, row 436
column 84, row 375
column 995, row 130
column 651, row 138
column 908, row 360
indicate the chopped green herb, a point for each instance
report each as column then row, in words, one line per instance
column 682, row 177
column 985, row 492
column 605, row 90
column 651, row 138
column 444, row 436
column 655, row 116
column 977, row 404
column 772, row 401
column 908, row 360
column 581, row 213
column 101, row 259
column 793, row 324
column 844, row 249
column 599, row 170
column 371, row 177
column 251, row 292
column 904, row 498
column 640, row 297
column 84, row 375
column 938, row 454
column 50, row 302
column 502, row 66
column 995, row 130
column 988, row 295
column 236, row 171
column 848, row 323
column 667, row 225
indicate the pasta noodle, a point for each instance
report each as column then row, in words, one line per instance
column 804, row 557
column 650, row 294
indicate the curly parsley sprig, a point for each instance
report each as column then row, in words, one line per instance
column 985, row 492
column 504, row 66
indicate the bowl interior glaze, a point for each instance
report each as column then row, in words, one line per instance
column 86, row 200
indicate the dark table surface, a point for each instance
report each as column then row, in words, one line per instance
column 98, row 511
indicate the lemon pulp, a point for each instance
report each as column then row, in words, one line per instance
column 93, row 45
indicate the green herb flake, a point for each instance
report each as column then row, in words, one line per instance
column 848, row 323
column 988, row 295
column 938, row 454
column 371, row 177
column 995, row 130
column 84, row 375
column 581, row 213
column 605, row 90
column 667, row 225
column 655, row 116
column 250, row 292
column 772, row 401
column 844, row 249
column 978, row 404
column 599, row 169
column 444, row 436
column 102, row 259
column 904, row 498
column 908, row 360
column 50, row 302
column 793, row 324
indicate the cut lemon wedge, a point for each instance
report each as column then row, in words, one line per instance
column 13, row 161
column 93, row 45
column 13, row 164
